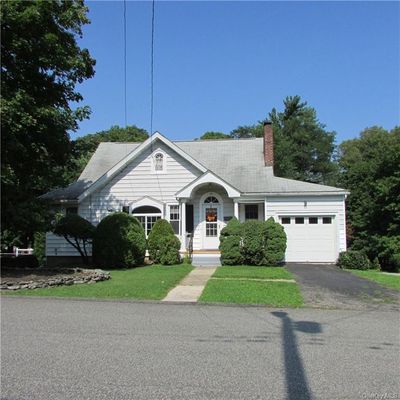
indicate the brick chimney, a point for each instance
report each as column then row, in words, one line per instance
column 268, row 145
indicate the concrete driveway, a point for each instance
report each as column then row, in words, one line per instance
column 328, row 286
column 73, row 349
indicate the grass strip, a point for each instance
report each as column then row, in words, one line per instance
column 150, row 282
column 277, row 294
column 389, row 281
column 247, row 271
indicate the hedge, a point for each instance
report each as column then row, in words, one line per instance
column 353, row 259
column 119, row 242
column 252, row 243
column 275, row 245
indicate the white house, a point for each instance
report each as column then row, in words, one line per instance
column 198, row 186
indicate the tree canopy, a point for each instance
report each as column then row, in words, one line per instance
column 41, row 66
column 303, row 149
column 370, row 169
column 211, row 135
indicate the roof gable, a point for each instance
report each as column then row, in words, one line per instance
column 109, row 174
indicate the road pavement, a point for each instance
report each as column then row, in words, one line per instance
column 76, row 349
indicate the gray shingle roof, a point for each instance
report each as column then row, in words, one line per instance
column 238, row 162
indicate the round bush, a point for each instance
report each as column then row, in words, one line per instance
column 169, row 250
column 275, row 242
column 253, row 245
column 119, row 242
column 233, row 228
column 353, row 259
column 162, row 243
column 230, row 248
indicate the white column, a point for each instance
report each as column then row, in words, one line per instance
column 236, row 209
column 265, row 209
column 183, row 225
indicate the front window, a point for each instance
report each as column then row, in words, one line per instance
column 211, row 200
column 211, row 222
column 147, row 216
column 174, row 218
column 251, row 211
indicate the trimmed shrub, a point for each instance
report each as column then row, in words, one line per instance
column 162, row 243
column 230, row 248
column 275, row 245
column 353, row 259
column 169, row 250
column 253, row 245
column 77, row 231
column 119, row 242
column 39, row 247
column 233, row 228
column 231, row 243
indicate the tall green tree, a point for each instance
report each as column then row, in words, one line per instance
column 370, row 169
column 84, row 146
column 41, row 66
column 211, row 135
column 248, row 131
column 303, row 149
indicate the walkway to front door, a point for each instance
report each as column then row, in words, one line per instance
column 191, row 287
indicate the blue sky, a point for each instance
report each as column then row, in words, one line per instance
column 219, row 65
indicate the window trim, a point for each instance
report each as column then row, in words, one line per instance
column 153, row 162
column 169, row 205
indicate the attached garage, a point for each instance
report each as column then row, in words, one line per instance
column 310, row 238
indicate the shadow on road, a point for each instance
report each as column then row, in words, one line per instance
column 296, row 379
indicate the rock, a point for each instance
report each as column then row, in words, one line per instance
column 14, row 287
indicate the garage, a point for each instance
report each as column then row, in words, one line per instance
column 310, row 238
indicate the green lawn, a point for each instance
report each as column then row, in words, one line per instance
column 390, row 281
column 151, row 282
column 236, row 289
column 247, row 271
column 278, row 294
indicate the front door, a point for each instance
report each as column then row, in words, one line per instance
column 212, row 217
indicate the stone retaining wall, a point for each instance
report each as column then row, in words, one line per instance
column 78, row 276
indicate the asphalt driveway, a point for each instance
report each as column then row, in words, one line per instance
column 328, row 286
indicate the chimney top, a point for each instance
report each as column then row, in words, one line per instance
column 268, row 144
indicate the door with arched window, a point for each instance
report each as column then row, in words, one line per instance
column 212, row 217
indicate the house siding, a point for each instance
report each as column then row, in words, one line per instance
column 134, row 182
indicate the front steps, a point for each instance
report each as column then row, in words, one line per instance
column 206, row 259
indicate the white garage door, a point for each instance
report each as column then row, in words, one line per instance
column 310, row 238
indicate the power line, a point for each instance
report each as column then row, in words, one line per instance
column 125, row 63
column 152, row 70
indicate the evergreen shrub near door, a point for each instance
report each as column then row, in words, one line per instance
column 119, row 242
column 275, row 246
column 230, row 243
column 252, row 243
column 253, row 248
column 162, row 244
